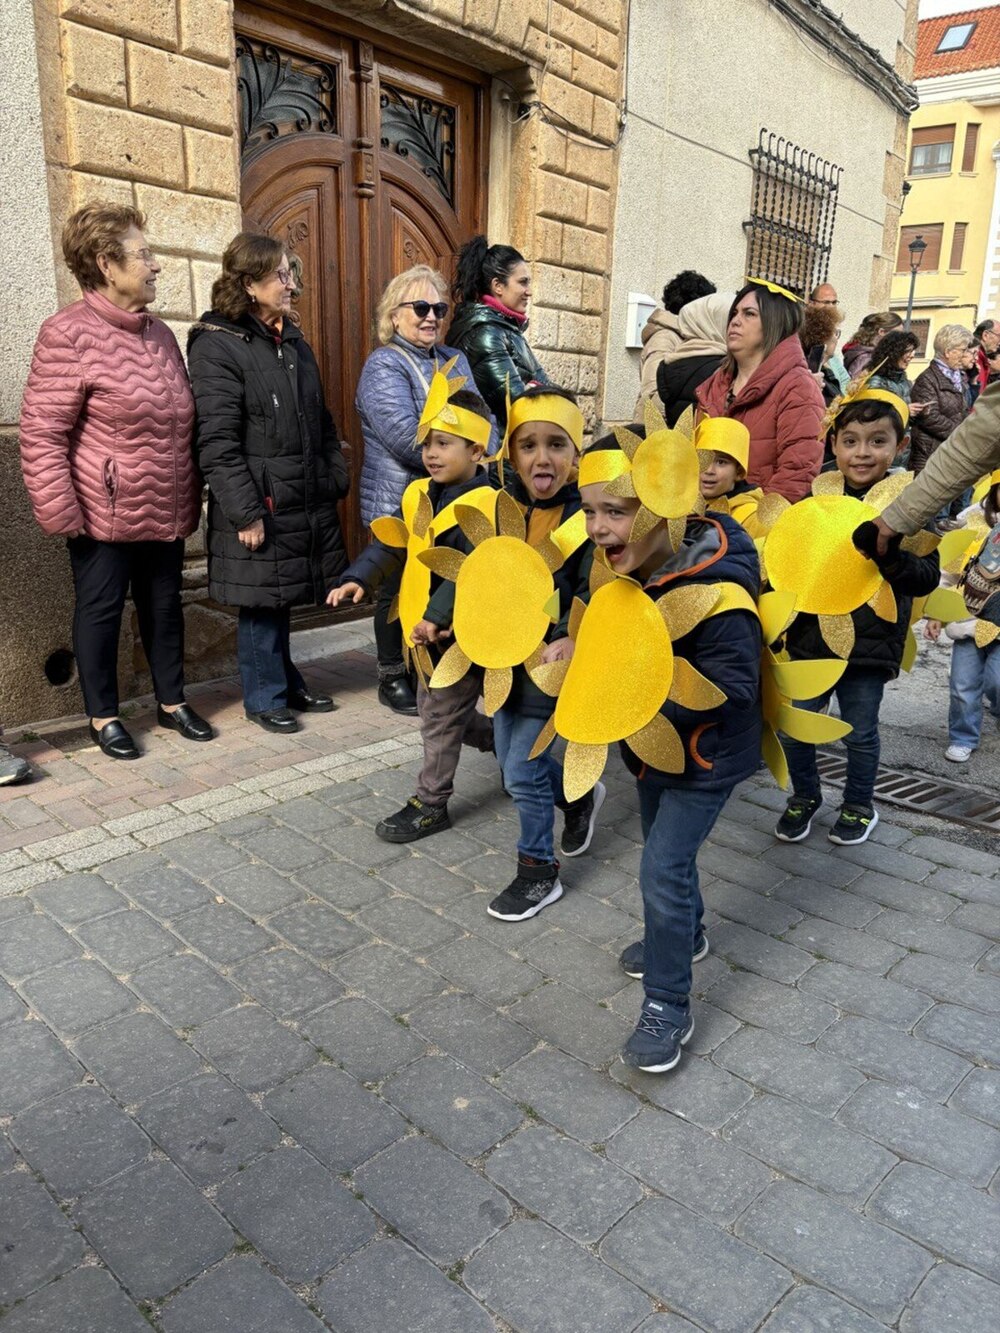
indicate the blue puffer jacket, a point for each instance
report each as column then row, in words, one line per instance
column 390, row 397
column 721, row 745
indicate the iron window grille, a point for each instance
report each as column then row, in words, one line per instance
column 793, row 211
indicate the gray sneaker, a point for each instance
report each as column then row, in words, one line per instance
column 12, row 767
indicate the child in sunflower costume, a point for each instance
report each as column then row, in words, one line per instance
column 724, row 444
column 452, row 436
column 858, row 617
column 708, row 740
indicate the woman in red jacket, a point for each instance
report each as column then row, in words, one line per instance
column 106, row 431
column 766, row 383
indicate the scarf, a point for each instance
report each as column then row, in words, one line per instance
column 502, row 309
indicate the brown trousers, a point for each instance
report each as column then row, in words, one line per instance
column 448, row 720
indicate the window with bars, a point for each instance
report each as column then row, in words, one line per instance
column 931, row 234
column 792, row 214
column 921, row 329
column 931, row 150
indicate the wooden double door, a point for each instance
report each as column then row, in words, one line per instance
column 365, row 157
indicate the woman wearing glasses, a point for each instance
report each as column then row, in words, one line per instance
column 390, row 397
column 268, row 449
column 106, row 454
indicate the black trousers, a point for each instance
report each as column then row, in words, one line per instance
column 388, row 636
column 103, row 572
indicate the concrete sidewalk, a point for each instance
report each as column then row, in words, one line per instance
column 263, row 1072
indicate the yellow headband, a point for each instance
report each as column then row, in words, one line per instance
column 601, row 465
column 441, row 414
column 773, row 287
column 723, row 435
column 547, row 407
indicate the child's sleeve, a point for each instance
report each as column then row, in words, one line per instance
column 376, row 563
column 581, row 589
column 441, row 607
column 725, row 648
column 912, row 575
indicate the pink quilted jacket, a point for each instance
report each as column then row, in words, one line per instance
column 106, row 427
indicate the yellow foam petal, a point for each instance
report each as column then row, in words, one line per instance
column 676, row 529
column 621, row 486
column 806, row 679
column 549, row 676
column 776, row 612
column 769, row 510
column 496, row 687
column 424, row 515
column 693, row 690
column 909, row 650
column 550, row 553
column 684, row 425
column 644, row 522
column 659, row 745
column 652, row 417
column 582, row 766
column 953, row 546
column 810, row 728
column 828, row 483
column 393, row 614
column 600, row 573
column 888, row 489
column 921, row 543
column 543, row 740
column 986, row 632
column 452, row 667
column 551, row 607
column 683, row 608
column 475, row 525
column 445, row 562
column 628, row 441
column 510, row 520
column 391, row 531
column 884, row 603
column 946, row 605
column 575, row 616
column 774, row 756
column 838, row 634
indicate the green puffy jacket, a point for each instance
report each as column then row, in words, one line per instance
column 496, row 349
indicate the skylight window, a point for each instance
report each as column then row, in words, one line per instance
column 955, row 37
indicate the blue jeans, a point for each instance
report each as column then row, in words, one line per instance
column 266, row 667
column 859, row 694
column 535, row 785
column 675, row 822
column 975, row 675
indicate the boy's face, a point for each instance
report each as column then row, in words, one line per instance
column 864, row 450
column 544, row 457
column 720, row 476
column 609, row 522
column 448, row 458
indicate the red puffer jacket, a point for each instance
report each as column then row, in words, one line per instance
column 781, row 406
column 106, row 427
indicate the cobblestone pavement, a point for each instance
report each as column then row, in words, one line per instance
column 264, row 1073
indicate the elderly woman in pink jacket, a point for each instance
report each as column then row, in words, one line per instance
column 106, row 431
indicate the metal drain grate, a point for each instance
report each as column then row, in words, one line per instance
column 931, row 796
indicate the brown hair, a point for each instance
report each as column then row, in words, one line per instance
column 248, row 255
column 779, row 319
column 881, row 321
column 819, row 323
column 97, row 229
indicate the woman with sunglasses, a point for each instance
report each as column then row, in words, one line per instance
column 268, row 448
column 390, row 397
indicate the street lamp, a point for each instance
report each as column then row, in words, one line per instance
column 916, row 248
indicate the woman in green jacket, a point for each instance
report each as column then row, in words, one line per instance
column 494, row 286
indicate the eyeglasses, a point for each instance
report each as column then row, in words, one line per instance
column 423, row 308
column 146, row 256
column 833, row 302
column 284, row 276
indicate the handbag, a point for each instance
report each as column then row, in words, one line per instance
column 980, row 583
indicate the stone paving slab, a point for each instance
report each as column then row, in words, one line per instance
column 264, row 1072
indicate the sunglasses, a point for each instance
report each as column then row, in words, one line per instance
column 423, row 308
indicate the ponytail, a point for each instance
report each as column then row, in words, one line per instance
column 479, row 264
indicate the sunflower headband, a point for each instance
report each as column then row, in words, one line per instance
column 774, row 289
column 441, row 414
column 859, row 392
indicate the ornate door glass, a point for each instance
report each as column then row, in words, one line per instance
column 422, row 131
column 281, row 93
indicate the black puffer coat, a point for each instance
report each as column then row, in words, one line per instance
column 495, row 347
column 267, row 446
column 677, row 379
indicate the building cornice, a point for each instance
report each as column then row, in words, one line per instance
column 981, row 86
column 863, row 61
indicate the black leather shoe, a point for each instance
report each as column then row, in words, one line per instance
column 398, row 695
column 185, row 720
column 275, row 719
column 114, row 740
column 304, row 702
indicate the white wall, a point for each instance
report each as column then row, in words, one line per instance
column 704, row 76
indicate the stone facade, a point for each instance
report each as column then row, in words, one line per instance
column 138, row 102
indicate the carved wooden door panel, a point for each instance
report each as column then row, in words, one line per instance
column 364, row 162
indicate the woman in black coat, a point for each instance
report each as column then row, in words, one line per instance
column 268, row 448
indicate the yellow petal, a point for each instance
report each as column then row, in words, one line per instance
column 921, row 543
column 684, row 424
column 946, row 605
column 953, row 545
column 776, row 612
column 659, row 745
column 510, row 520
column 391, row 531
column 909, row 650
column 690, row 688
column 423, row 662
column 424, row 515
column 442, row 560
column 883, row 603
column 575, row 616
column 550, row 553
column 888, row 489
column 496, row 687
column 769, row 510
column 544, row 739
column 838, row 634
column 452, row 667
column 774, row 756
column 549, row 676
column 683, row 608
column 676, row 530
column 810, row 728
column 582, row 766
column 628, row 442
column 806, row 679
column 986, row 632
column 621, row 486
column 551, row 607
column 828, row 483
column 476, row 526
column 643, row 523
column 600, row 573
column 652, row 418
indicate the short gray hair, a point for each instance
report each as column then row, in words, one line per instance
column 950, row 336
column 396, row 290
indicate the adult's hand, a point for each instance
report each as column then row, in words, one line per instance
column 76, row 532
column 253, row 536
column 559, row 650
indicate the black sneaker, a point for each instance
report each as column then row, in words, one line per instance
column 631, row 960
column 795, row 823
column 655, row 1045
column 535, row 885
column 854, row 824
column 580, row 817
column 415, row 820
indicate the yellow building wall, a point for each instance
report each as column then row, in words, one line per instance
column 945, row 295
